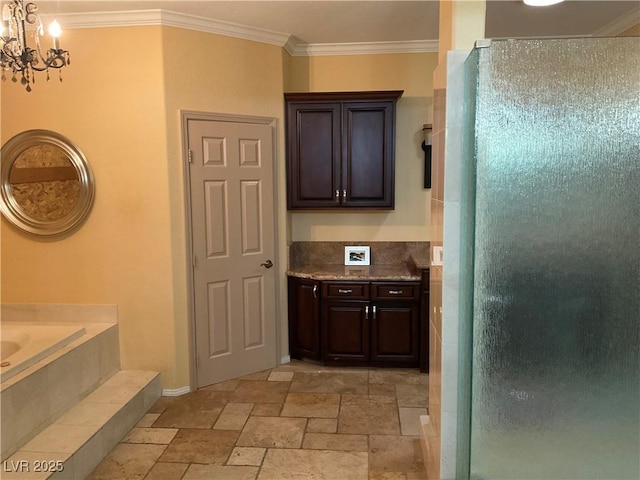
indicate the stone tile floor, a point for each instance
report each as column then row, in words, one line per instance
column 296, row 421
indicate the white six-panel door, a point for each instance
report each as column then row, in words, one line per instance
column 232, row 218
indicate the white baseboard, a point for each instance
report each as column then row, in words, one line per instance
column 285, row 359
column 175, row 392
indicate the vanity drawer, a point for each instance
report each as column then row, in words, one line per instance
column 395, row 291
column 348, row 290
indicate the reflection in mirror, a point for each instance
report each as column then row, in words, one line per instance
column 44, row 182
column 47, row 184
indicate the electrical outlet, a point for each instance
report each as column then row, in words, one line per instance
column 436, row 256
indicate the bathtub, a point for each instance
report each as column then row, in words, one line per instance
column 23, row 344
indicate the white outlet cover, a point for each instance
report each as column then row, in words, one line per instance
column 437, row 256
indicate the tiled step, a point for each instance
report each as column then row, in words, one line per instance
column 72, row 446
column 36, row 397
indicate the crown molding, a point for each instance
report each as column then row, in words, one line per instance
column 292, row 45
column 364, row 48
column 619, row 25
column 106, row 19
column 136, row 18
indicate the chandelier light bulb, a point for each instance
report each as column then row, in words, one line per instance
column 55, row 30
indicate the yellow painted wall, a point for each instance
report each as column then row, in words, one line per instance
column 409, row 72
column 125, row 116
column 461, row 23
column 222, row 75
column 112, row 106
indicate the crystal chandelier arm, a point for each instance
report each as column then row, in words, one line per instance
column 54, row 59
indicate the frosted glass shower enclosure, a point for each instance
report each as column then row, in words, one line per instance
column 551, row 193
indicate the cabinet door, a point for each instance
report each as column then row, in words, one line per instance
column 345, row 332
column 313, row 155
column 304, row 318
column 368, row 151
column 395, row 334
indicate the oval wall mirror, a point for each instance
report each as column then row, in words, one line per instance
column 47, row 185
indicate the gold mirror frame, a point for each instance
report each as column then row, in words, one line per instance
column 9, row 205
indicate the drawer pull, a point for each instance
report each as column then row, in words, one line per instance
column 374, row 312
column 340, row 290
column 396, row 292
column 366, row 312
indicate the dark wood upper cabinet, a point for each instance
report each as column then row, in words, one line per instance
column 313, row 155
column 340, row 149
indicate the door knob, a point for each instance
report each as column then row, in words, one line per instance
column 267, row 264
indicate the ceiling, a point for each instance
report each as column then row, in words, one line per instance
column 343, row 22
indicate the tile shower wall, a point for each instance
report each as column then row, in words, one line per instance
column 433, row 430
column 448, row 403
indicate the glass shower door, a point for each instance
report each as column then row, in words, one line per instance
column 555, row 388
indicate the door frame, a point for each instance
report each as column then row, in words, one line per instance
column 186, row 116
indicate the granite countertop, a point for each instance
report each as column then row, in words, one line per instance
column 403, row 272
column 421, row 259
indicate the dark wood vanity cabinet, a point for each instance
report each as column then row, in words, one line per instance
column 361, row 323
column 304, row 318
column 345, row 322
column 345, row 332
column 424, row 321
column 395, row 332
column 340, row 149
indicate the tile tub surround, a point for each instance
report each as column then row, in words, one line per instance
column 58, row 313
column 298, row 420
column 37, row 396
column 389, row 261
column 73, row 406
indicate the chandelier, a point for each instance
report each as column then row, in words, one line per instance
column 20, row 23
